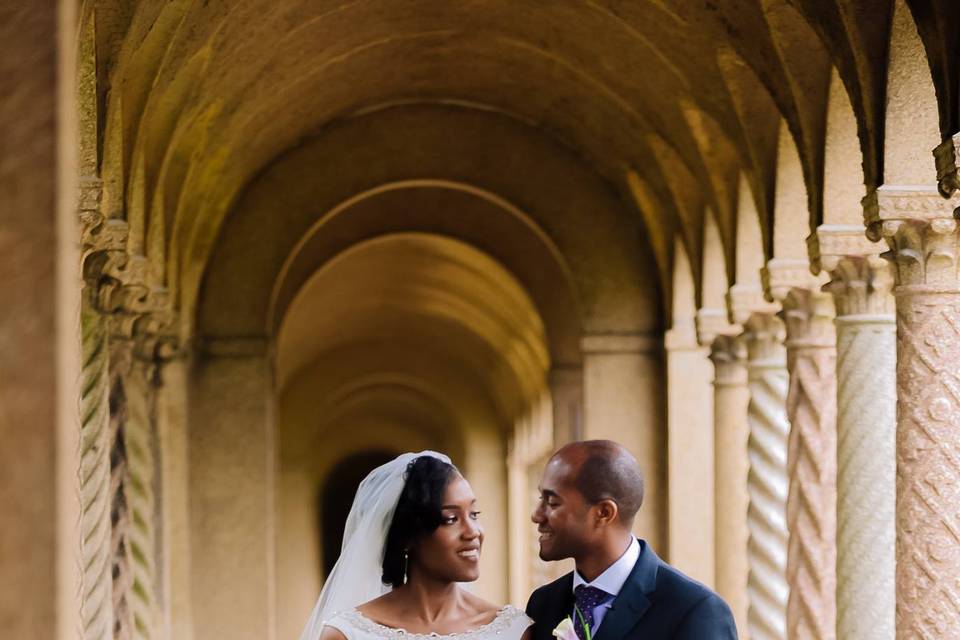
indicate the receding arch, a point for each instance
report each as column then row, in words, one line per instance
column 843, row 179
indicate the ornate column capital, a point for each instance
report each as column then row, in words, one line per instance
column 764, row 334
column 780, row 275
column 729, row 356
column 712, row 323
column 808, row 315
column 743, row 300
column 862, row 286
column 921, row 230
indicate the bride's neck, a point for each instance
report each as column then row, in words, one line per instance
column 429, row 598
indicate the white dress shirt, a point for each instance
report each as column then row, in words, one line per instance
column 610, row 581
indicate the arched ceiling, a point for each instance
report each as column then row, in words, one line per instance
column 194, row 99
column 454, row 307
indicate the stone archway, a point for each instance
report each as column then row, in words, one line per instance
column 336, row 496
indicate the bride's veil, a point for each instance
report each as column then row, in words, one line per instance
column 356, row 577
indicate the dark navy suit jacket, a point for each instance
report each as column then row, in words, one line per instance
column 657, row 602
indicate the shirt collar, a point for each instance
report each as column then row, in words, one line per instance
column 613, row 579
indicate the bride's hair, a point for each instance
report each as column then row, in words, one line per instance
column 417, row 514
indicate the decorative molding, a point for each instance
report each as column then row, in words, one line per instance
column 610, row 343
column 711, row 323
column 729, row 356
column 780, row 275
column 808, row 315
column 926, row 254
column 764, row 334
column 945, row 156
column 897, row 204
column 862, row 285
column 836, row 241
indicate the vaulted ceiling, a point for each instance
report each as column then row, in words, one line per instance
column 656, row 107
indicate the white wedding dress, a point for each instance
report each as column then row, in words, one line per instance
column 509, row 624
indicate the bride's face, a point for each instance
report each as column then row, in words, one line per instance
column 452, row 552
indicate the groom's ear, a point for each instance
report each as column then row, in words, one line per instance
column 606, row 512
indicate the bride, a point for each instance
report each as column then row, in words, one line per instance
column 412, row 535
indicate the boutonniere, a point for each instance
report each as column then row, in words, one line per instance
column 566, row 631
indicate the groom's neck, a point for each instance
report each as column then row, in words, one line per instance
column 598, row 557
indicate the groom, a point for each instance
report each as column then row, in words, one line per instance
column 589, row 495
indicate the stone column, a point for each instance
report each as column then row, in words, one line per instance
column 690, row 453
column 731, row 467
column 921, row 230
column 624, row 400
column 811, row 464
column 767, row 480
column 861, row 283
column 566, row 395
column 232, row 487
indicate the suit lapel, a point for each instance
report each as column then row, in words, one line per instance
column 632, row 602
column 560, row 604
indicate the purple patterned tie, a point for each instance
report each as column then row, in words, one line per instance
column 586, row 598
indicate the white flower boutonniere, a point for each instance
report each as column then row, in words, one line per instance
column 565, row 630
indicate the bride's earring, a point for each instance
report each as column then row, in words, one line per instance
column 406, row 564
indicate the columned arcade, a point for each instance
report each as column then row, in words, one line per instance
column 250, row 250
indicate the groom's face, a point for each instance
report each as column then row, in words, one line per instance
column 561, row 514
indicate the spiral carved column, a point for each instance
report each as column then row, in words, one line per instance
column 96, row 544
column 866, row 446
column 767, row 480
column 731, row 467
column 811, row 464
column 920, row 228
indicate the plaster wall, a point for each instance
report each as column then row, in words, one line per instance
column 232, row 515
column 624, row 401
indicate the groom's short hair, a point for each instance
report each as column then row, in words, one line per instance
column 609, row 472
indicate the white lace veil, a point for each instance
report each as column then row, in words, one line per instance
column 356, row 577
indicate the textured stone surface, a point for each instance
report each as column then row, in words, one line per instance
column 767, row 481
column 731, row 432
column 866, row 444
column 28, row 383
column 811, row 465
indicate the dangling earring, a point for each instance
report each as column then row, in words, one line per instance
column 406, row 565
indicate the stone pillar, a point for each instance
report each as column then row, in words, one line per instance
column 39, row 341
column 731, row 467
column 767, row 480
column 811, row 464
column 922, row 232
column 690, row 454
column 566, row 394
column 232, row 487
column 861, row 283
column 624, row 401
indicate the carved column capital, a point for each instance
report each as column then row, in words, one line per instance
column 921, row 229
column 808, row 315
column 743, row 300
column 948, row 163
column 712, row 323
column 862, row 285
column 729, row 356
column 764, row 334
column 780, row 275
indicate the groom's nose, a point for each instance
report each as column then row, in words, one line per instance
column 537, row 515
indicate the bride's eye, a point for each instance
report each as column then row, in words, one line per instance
column 475, row 515
column 449, row 520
